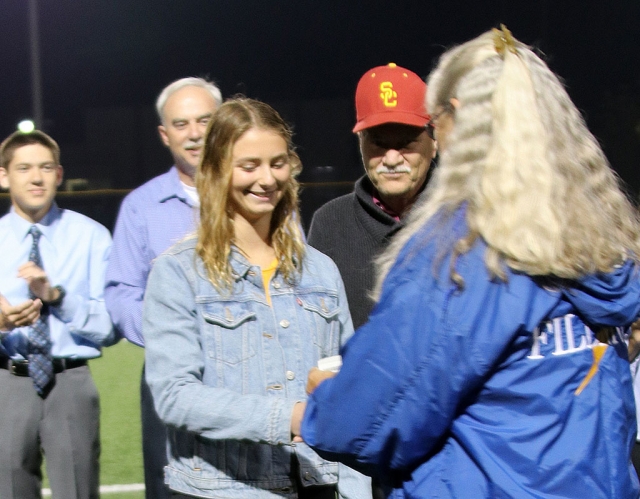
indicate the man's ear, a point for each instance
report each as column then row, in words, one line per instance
column 360, row 136
column 163, row 135
column 4, row 178
column 59, row 176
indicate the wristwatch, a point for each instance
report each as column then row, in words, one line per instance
column 58, row 301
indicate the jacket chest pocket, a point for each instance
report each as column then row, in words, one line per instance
column 322, row 311
column 229, row 332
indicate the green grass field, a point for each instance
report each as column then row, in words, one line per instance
column 117, row 375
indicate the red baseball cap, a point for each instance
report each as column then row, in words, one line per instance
column 390, row 94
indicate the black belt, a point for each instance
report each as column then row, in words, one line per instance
column 21, row 367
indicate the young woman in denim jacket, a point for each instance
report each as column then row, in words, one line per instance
column 235, row 317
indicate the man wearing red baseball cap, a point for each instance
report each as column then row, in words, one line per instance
column 397, row 149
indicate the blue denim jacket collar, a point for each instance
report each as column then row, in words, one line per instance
column 242, row 269
column 239, row 263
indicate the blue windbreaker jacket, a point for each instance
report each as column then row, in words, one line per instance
column 498, row 390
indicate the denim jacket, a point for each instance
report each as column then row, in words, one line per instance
column 225, row 370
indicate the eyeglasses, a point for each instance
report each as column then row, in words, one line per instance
column 446, row 108
column 430, row 129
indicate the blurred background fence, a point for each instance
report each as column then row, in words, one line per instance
column 102, row 204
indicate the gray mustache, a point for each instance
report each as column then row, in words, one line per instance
column 194, row 145
column 398, row 169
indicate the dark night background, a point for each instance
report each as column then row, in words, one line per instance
column 105, row 61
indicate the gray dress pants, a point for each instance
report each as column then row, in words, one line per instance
column 65, row 426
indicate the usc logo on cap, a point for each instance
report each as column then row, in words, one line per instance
column 388, row 95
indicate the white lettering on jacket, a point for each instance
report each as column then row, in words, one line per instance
column 566, row 340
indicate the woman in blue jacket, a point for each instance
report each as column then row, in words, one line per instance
column 493, row 365
column 234, row 318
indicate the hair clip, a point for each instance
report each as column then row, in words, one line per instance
column 503, row 40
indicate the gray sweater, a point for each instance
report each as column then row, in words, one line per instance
column 352, row 230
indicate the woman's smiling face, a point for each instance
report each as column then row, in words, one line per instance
column 261, row 169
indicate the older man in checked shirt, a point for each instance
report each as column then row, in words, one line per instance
column 152, row 218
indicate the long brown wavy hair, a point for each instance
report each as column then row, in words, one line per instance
column 216, row 232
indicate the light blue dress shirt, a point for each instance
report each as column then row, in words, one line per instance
column 151, row 219
column 74, row 251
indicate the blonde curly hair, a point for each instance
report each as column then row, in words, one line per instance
column 535, row 182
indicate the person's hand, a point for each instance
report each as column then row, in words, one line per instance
column 24, row 314
column 315, row 377
column 296, row 420
column 634, row 341
column 38, row 282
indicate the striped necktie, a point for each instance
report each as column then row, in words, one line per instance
column 40, row 361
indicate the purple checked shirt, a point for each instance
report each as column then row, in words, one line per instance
column 151, row 219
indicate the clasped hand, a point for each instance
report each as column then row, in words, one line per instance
column 315, row 377
column 38, row 281
column 27, row 312
column 23, row 314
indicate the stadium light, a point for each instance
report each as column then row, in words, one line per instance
column 26, row 126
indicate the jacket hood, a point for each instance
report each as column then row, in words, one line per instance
column 611, row 299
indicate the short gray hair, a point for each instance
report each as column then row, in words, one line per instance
column 186, row 82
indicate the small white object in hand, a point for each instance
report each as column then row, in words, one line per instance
column 332, row 364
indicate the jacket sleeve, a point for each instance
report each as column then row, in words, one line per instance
column 407, row 373
column 127, row 274
column 175, row 365
column 84, row 310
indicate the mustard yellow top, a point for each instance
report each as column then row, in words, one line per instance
column 267, row 274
